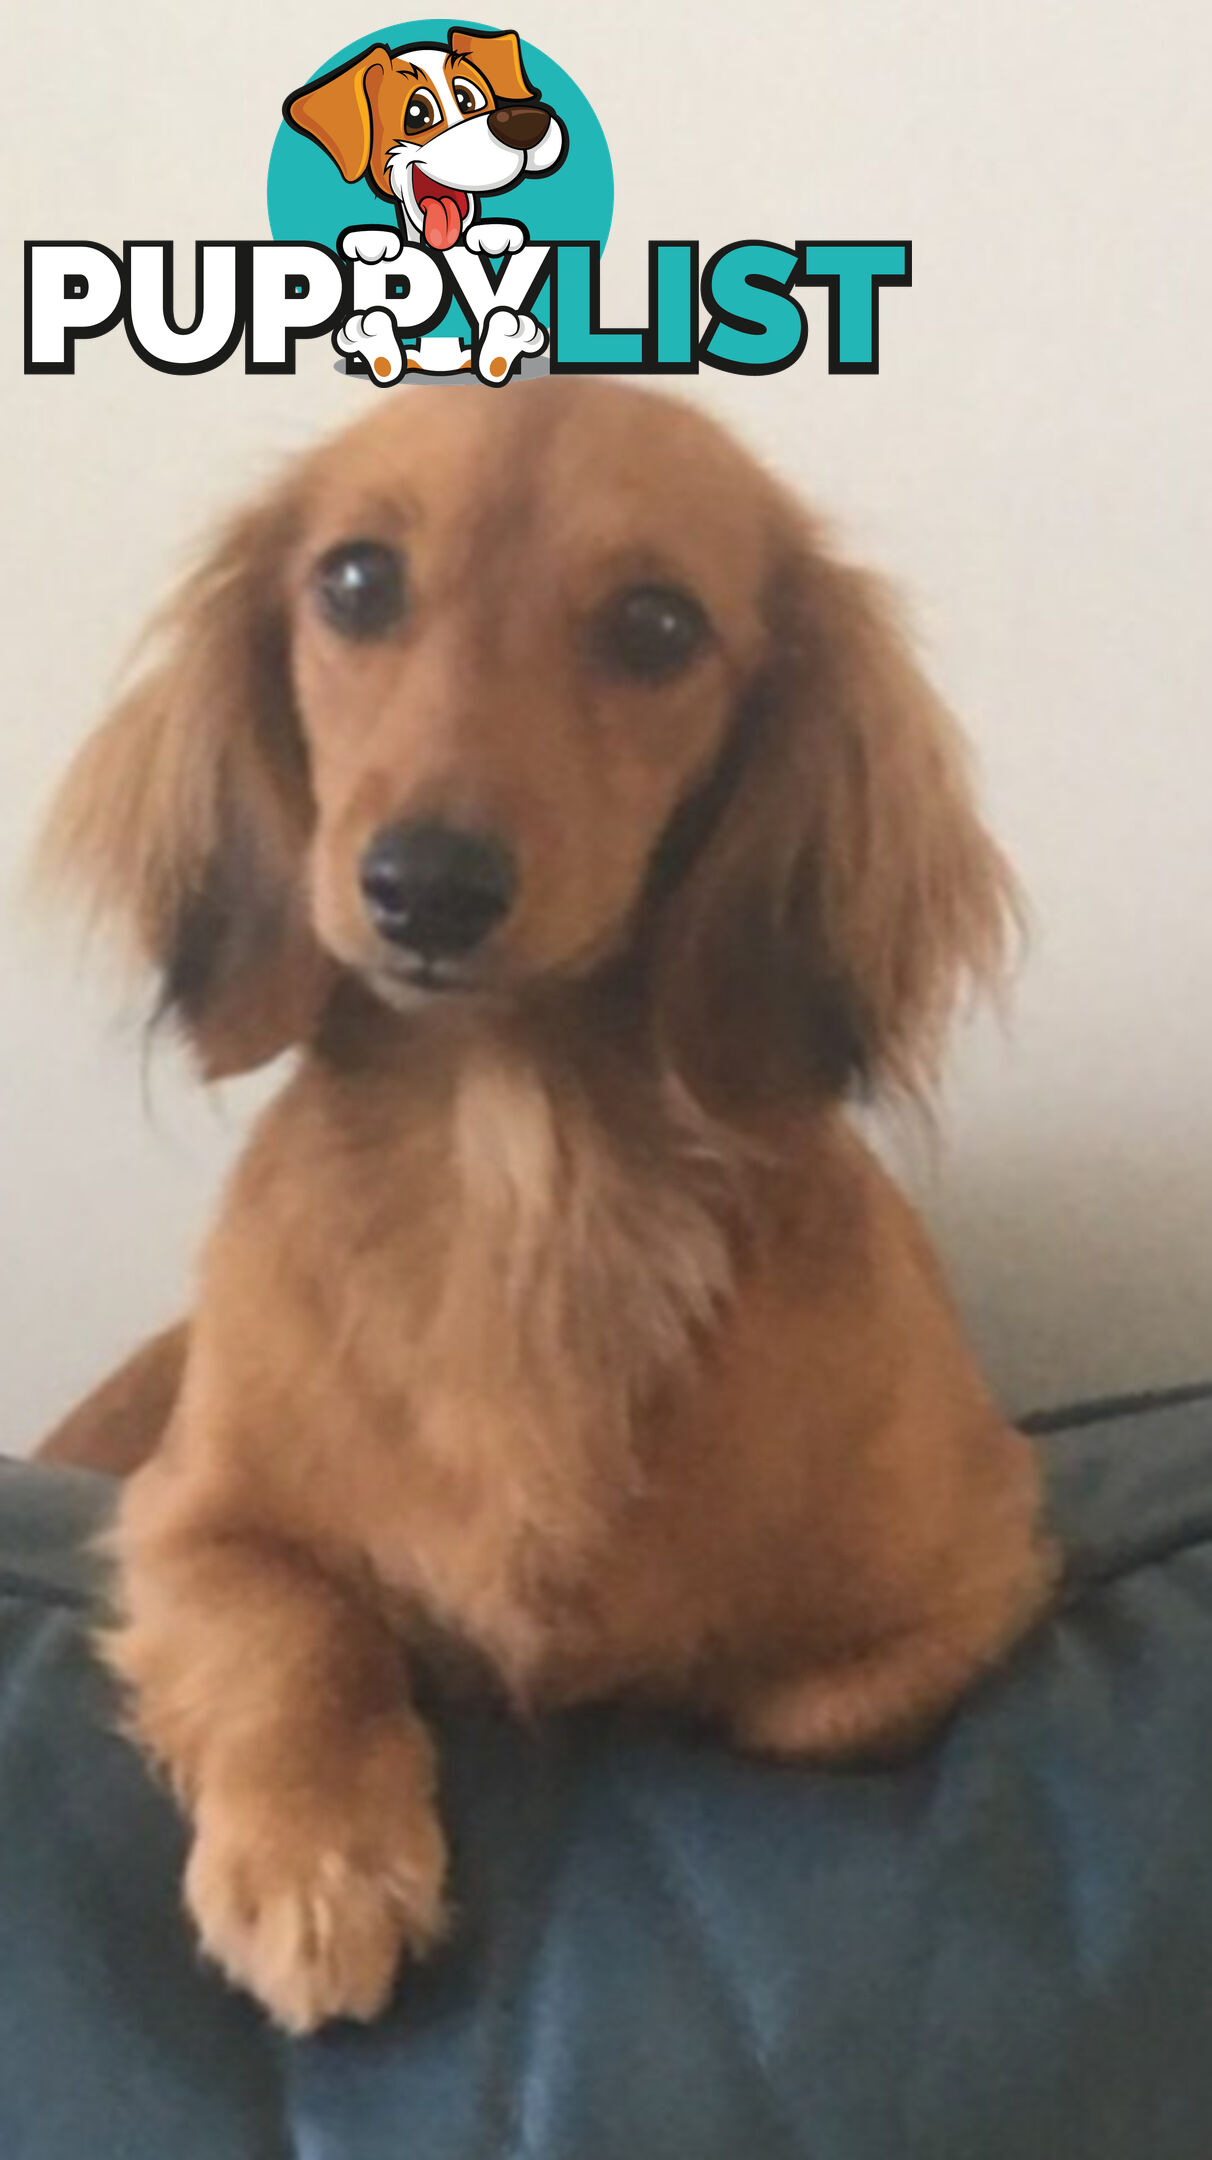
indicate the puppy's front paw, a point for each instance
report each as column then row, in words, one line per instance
column 495, row 239
column 308, row 1893
column 371, row 244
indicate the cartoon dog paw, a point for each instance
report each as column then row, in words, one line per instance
column 372, row 244
column 373, row 337
column 490, row 239
column 507, row 338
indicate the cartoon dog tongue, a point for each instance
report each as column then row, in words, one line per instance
column 443, row 220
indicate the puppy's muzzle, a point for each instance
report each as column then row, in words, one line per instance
column 435, row 891
column 519, row 127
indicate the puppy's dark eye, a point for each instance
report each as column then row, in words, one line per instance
column 360, row 588
column 468, row 96
column 649, row 632
column 419, row 113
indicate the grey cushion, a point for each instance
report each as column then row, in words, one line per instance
column 1002, row 1951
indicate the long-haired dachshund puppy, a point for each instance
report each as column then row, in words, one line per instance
column 586, row 827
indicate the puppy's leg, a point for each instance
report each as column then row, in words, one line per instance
column 274, row 1697
column 890, row 1696
column 878, row 1706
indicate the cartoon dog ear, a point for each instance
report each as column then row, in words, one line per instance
column 498, row 55
column 185, row 819
column 847, row 888
column 336, row 111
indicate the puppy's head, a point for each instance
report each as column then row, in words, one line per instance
column 433, row 126
column 486, row 700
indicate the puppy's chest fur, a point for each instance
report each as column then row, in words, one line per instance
column 524, row 1283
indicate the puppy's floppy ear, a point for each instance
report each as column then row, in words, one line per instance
column 185, row 819
column 847, row 888
column 337, row 111
column 498, row 55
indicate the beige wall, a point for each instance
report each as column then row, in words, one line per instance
column 1032, row 462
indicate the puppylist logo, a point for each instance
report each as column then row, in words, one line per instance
column 473, row 140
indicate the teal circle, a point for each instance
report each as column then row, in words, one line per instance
column 308, row 200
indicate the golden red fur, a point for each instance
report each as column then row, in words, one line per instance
column 565, row 1316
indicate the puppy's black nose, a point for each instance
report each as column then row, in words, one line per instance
column 436, row 890
column 519, row 127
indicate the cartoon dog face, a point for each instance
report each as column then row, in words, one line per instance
column 433, row 127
